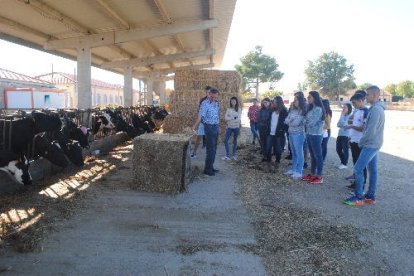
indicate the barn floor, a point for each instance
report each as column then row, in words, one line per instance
column 205, row 231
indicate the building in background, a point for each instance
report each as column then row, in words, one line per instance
column 21, row 91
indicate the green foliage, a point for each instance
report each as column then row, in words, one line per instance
column 247, row 95
column 391, row 88
column 405, row 89
column 364, row 86
column 256, row 68
column 271, row 94
column 330, row 74
column 302, row 86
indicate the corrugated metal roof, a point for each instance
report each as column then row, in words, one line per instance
column 13, row 76
column 65, row 78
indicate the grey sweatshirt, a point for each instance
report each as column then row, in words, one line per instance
column 296, row 121
column 373, row 134
column 313, row 121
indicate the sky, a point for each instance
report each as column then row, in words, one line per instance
column 375, row 36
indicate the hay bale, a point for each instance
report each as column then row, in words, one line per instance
column 161, row 163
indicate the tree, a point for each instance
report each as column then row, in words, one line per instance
column 364, row 86
column 271, row 94
column 405, row 89
column 302, row 86
column 330, row 74
column 256, row 68
column 391, row 88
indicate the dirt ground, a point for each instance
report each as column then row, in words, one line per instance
column 299, row 229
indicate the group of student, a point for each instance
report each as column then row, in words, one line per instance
column 307, row 124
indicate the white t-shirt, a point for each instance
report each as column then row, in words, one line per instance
column 358, row 121
column 273, row 123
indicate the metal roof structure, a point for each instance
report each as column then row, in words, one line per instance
column 65, row 78
column 151, row 36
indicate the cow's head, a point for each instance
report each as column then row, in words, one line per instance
column 74, row 153
column 19, row 169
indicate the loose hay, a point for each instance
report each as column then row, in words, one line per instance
column 291, row 240
column 161, row 163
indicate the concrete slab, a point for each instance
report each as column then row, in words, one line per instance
column 204, row 231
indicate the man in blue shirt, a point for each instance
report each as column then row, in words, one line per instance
column 209, row 115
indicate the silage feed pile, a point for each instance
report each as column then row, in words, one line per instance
column 189, row 89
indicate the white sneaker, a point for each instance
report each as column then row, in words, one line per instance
column 297, row 176
column 234, row 158
column 289, row 172
column 226, row 158
column 193, row 156
column 342, row 166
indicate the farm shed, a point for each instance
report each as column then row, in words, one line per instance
column 147, row 40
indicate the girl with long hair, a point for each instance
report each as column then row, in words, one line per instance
column 342, row 141
column 314, row 121
column 296, row 123
column 326, row 127
column 233, row 119
column 263, row 120
column 276, row 131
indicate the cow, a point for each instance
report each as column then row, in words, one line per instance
column 17, row 167
column 45, row 122
column 22, row 134
column 71, row 149
column 103, row 123
column 72, row 131
column 51, row 151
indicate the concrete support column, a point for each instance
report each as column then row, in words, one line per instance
column 161, row 89
column 128, row 101
column 83, row 93
column 150, row 89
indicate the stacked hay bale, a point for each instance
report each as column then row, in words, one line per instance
column 161, row 163
column 189, row 89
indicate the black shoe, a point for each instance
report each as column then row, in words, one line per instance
column 209, row 173
column 351, row 177
column 289, row 157
column 305, row 165
column 215, row 171
column 351, row 187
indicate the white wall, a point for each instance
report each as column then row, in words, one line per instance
column 19, row 99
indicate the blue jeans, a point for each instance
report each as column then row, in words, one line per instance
column 342, row 148
column 276, row 142
column 254, row 130
column 235, row 132
column 296, row 141
column 211, row 134
column 325, row 147
column 368, row 158
column 315, row 150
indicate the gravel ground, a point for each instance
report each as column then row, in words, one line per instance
column 305, row 229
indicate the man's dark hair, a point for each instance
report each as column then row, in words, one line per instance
column 357, row 97
column 213, row 90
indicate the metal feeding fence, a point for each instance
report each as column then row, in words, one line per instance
column 87, row 118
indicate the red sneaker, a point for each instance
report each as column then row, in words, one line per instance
column 308, row 177
column 316, row 180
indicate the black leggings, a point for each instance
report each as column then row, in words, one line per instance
column 356, row 150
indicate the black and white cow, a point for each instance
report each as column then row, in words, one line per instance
column 72, row 149
column 46, row 122
column 72, row 131
column 103, row 123
column 15, row 166
column 51, row 151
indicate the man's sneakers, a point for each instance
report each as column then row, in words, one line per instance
column 226, row 158
column 354, row 201
column 369, row 199
column 342, row 166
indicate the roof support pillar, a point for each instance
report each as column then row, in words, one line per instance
column 83, row 92
column 128, row 87
column 159, row 89
column 150, row 89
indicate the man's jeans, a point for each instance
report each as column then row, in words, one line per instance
column 342, row 149
column 368, row 158
column 296, row 141
column 211, row 133
column 254, row 130
column 315, row 150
